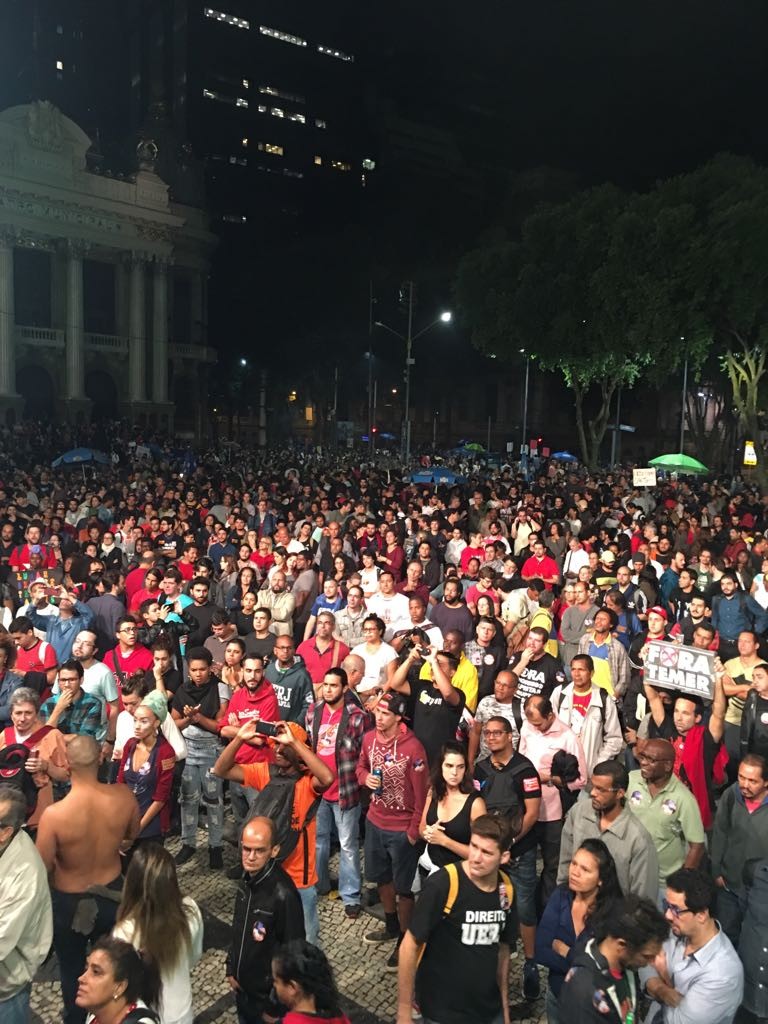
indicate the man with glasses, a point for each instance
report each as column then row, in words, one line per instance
column 667, row 808
column 698, row 975
column 25, row 909
column 291, row 681
column 511, row 788
column 606, row 816
column 504, row 703
column 128, row 655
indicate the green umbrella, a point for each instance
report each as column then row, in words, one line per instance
column 679, row 463
column 474, row 447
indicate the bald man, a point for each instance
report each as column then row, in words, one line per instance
column 79, row 840
column 354, row 666
column 256, row 933
column 667, row 808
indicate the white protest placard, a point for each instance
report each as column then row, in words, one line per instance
column 644, row 477
column 685, row 669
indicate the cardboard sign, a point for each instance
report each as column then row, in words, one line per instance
column 675, row 667
column 644, row 477
column 750, row 455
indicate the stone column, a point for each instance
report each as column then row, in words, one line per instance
column 136, row 332
column 7, row 318
column 160, row 333
column 75, row 330
column 196, row 327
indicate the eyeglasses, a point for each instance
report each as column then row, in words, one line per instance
column 676, row 912
column 652, row 760
column 494, row 732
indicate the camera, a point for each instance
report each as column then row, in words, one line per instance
column 417, row 638
column 266, row 728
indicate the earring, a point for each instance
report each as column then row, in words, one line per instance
column 116, row 995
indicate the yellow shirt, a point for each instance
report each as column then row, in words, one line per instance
column 464, row 679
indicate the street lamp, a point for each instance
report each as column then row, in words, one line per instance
column 243, row 362
column 444, row 318
column 525, row 396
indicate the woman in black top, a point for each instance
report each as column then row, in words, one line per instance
column 451, row 805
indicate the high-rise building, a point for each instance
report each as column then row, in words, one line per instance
column 267, row 94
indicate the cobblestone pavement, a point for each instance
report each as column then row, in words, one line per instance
column 368, row 989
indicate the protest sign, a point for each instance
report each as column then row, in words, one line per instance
column 675, row 667
column 644, row 477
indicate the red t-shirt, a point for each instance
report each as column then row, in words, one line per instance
column 326, row 746
column 317, row 663
column 262, row 705
column 20, row 557
column 187, row 570
column 39, row 658
column 134, row 581
column 581, row 702
column 543, row 570
column 140, row 659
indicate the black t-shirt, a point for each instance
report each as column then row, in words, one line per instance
column 171, row 680
column 758, row 739
column 510, row 787
column 434, row 720
column 202, row 614
column 462, row 947
column 540, row 676
column 264, row 648
column 488, row 661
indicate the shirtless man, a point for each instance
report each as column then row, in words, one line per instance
column 79, row 839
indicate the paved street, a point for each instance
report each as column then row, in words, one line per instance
column 369, row 990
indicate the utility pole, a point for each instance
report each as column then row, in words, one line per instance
column 682, row 410
column 371, row 402
column 408, row 364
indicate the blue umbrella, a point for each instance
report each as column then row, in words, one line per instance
column 424, row 477
column 78, row 456
column 564, row 457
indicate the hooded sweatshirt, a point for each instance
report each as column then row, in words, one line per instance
column 402, row 760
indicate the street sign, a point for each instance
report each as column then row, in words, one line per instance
column 750, row 455
column 644, row 477
column 626, row 428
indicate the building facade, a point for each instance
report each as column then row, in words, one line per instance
column 103, row 282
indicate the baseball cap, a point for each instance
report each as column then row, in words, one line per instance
column 608, row 557
column 39, row 579
column 638, row 558
column 658, row 610
column 394, row 702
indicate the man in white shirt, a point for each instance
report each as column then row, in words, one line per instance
column 387, row 604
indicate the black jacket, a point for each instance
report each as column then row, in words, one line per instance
column 754, row 732
column 589, row 990
column 268, row 905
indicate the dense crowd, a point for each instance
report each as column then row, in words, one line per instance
column 530, row 710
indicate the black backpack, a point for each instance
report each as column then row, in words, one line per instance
column 13, row 772
column 275, row 802
column 140, row 1014
column 499, row 792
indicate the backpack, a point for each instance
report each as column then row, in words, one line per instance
column 603, row 697
column 500, row 796
column 275, row 802
column 141, row 1014
column 453, row 888
column 13, row 772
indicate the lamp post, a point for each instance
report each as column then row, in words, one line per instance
column 685, row 389
column 444, row 318
column 525, row 395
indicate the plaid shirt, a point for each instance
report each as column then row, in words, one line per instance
column 349, row 740
column 83, row 718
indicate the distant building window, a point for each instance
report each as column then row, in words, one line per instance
column 233, row 101
column 245, row 143
column 319, row 161
column 59, row 30
column 330, row 51
column 262, row 109
column 59, row 65
column 320, row 123
column 234, row 218
column 281, row 94
column 369, row 165
column 341, row 165
column 284, row 37
column 292, row 174
column 289, row 115
column 246, row 84
column 228, row 19
column 271, row 147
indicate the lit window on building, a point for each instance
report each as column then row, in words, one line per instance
column 59, row 30
column 246, row 84
column 330, row 51
column 228, row 19
column 290, row 173
column 233, row 101
column 341, row 165
column 234, row 218
column 284, row 37
column 262, row 109
column 362, row 180
column 245, row 143
column 59, row 65
column 271, row 147
column 320, row 123
column 281, row 94
column 369, row 165
column 289, row 115
column 319, row 161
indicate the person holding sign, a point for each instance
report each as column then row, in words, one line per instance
column 700, row 756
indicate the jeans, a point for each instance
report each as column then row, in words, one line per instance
column 548, row 834
column 16, row 1009
column 552, row 1007
column 241, row 798
column 348, row 826
column 311, row 920
column 79, row 919
column 522, row 871
column 196, row 782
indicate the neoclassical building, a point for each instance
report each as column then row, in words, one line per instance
column 103, row 282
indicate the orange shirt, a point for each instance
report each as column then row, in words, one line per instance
column 53, row 748
column 304, row 795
